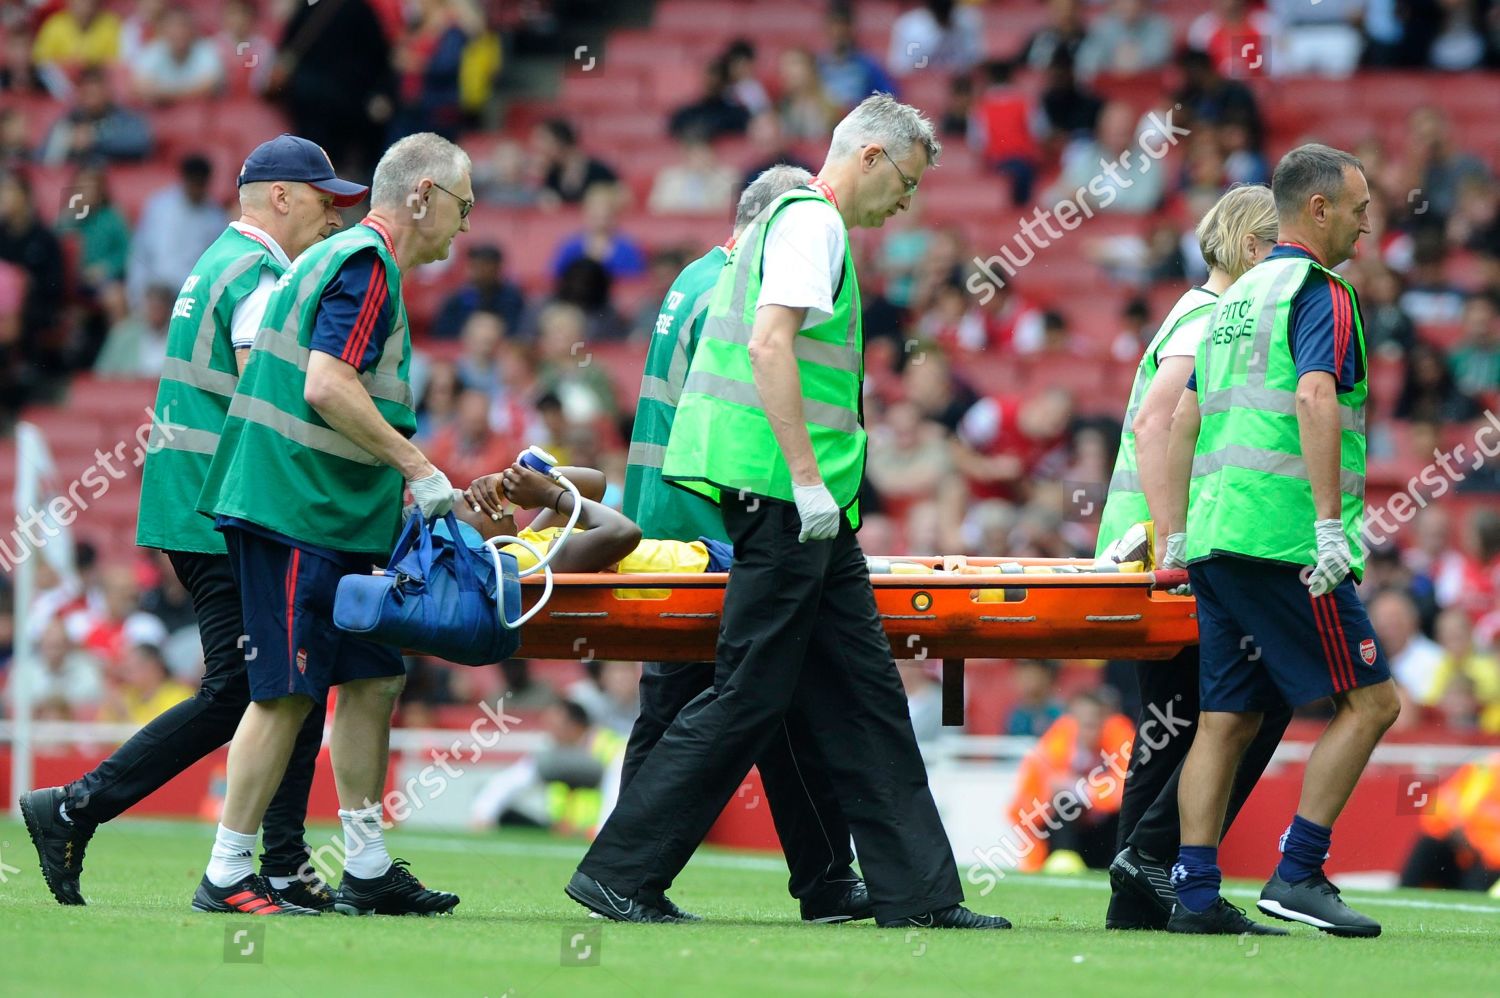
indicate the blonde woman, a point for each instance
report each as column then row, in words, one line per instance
column 1236, row 234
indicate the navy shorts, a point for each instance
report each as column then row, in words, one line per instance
column 1265, row 641
column 291, row 645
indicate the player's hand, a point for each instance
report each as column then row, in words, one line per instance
column 486, row 496
column 527, row 488
column 1175, row 556
column 432, row 493
column 1334, row 558
column 819, row 513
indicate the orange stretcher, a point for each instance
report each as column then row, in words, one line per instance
column 967, row 608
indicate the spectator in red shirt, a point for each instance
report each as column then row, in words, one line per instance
column 1004, row 442
column 1003, row 128
column 468, row 448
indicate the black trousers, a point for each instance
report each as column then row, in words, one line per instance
column 800, row 638
column 179, row 737
column 1149, row 819
column 1092, row 837
column 814, row 835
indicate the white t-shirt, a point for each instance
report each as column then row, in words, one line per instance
column 1184, row 342
column 252, row 308
column 804, row 259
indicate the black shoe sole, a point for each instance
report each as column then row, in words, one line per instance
column 34, row 830
column 1342, row 931
column 1120, row 925
column 353, row 910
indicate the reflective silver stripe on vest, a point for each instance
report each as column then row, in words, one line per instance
column 1139, row 386
column 1254, row 394
column 1125, row 480
column 1273, row 400
column 677, row 368
column 834, row 417
column 1270, row 462
column 203, row 344
column 196, row 372
column 658, row 390
column 383, row 380
column 733, row 329
column 298, row 431
column 646, row 455
column 199, row 376
column 840, row 358
column 182, row 438
column 378, row 384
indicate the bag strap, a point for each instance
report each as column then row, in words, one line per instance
column 409, row 534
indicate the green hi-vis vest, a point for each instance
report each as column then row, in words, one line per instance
column 579, row 808
column 279, row 464
column 1250, row 493
column 722, row 439
column 1125, row 505
column 197, row 382
column 666, row 513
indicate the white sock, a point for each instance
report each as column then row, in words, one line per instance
column 229, row 863
column 281, row 883
column 365, row 855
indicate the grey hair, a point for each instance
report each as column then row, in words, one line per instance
column 405, row 164
column 882, row 119
column 770, row 185
column 1307, row 170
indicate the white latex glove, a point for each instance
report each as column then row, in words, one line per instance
column 1333, row 557
column 1175, row 557
column 1176, row 548
column 819, row 513
column 433, row 494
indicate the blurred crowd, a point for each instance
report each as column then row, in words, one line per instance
column 541, row 343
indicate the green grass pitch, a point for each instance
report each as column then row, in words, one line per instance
column 515, row 935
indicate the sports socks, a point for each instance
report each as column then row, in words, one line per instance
column 1196, row 876
column 229, row 863
column 365, row 855
column 1303, row 849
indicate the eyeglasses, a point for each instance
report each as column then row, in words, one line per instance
column 464, row 204
column 911, row 185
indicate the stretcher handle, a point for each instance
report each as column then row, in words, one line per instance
column 1158, row 579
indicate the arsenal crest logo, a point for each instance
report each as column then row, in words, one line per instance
column 302, row 658
column 1367, row 651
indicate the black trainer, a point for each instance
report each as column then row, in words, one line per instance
column 1221, row 919
column 602, row 901
column 953, row 917
column 394, row 892
column 669, row 907
column 847, row 904
column 252, row 895
column 316, row 895
column 1145, row 880
column 1316, row 902
column 60, row 842
column 1127, row 912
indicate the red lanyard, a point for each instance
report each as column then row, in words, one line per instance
column 821, row 186
column 1288, row 242
column 384, row 235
